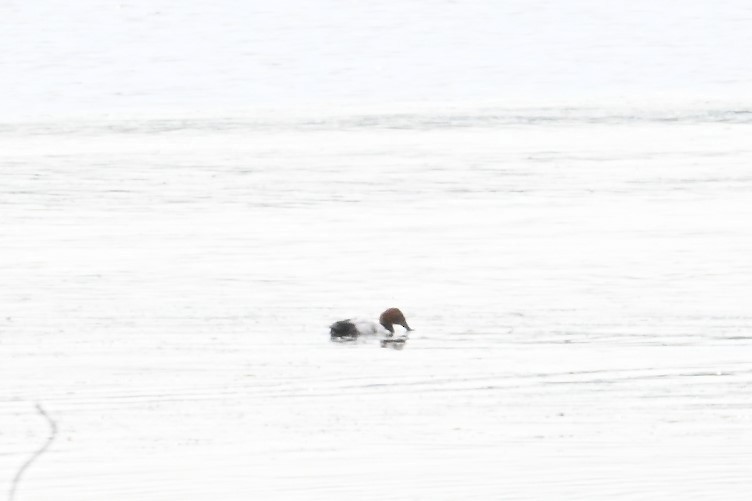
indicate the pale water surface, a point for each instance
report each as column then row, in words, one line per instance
column 578, row 275
column 578, row 285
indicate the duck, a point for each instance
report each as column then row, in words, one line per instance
column 352, row 328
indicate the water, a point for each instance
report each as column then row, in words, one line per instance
column 577, row 272
column 577, row 284
column 154, row 56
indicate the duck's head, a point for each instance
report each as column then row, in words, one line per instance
column 392, row 317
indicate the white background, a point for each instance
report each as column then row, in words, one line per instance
column 557, row 195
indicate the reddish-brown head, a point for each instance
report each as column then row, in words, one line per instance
column 392, row 317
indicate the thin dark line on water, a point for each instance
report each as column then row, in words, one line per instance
column 39, row 452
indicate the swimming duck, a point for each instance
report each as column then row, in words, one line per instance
column 354, row 327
